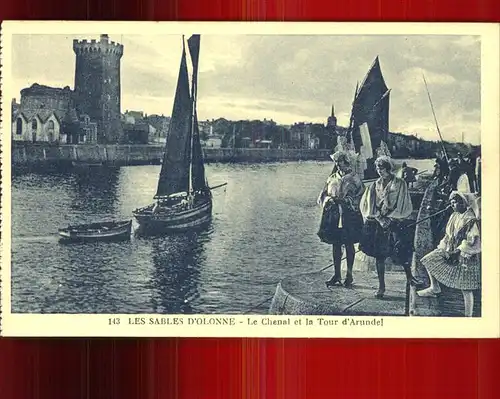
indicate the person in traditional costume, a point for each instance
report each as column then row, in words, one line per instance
column 470, row 169
column 454, row 173
column 385, row 205
column 341, row 220
column 444, row 168
column 437, row 175
column 408, row 174
column 456, row 262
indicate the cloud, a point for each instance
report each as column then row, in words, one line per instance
column 412, row 79
column 287, row 78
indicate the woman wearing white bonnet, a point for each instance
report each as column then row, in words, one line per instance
column 456, row 262
column 384, row 206
column 341, row 220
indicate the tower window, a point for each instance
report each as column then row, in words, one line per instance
column 50, row 130
column 34, row 126
column 19, row 126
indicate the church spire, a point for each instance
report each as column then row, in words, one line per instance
column 332, row 119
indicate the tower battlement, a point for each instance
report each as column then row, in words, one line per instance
column 103, row 46
column 97, row 85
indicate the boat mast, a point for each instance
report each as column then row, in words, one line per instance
column 193, row 121
column 194, row 93
column 193, row 109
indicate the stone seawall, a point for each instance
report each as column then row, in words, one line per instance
column 121, row 155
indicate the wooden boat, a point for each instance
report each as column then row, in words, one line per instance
column 183, row 197
column 101, row 231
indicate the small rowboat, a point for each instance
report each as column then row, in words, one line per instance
column 102, row 231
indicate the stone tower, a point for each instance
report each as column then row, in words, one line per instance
column 97, row 85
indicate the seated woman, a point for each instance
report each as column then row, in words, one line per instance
column 384, row 206
column 456, row 262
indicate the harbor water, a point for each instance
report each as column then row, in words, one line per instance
column 264, row 228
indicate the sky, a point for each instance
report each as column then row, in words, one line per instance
column 288, row 79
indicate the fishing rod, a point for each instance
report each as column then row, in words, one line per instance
column 372, row 180
column 435, row 120
column 428, row 217
column 219, row 185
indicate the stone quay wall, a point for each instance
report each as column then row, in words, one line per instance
column 121, row 155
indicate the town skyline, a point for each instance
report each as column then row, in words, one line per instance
column 275, row 78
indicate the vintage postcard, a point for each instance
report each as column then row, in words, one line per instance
column 250, row 179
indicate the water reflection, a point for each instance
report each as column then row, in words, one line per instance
column 95, row 190
column 264, row 228
column 176, row 273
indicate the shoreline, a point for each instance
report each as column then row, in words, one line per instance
column 28, row 156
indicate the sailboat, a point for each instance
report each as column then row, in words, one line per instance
column 183, row 198
column 369, row 122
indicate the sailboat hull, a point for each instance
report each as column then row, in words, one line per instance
column 183, row 168
column 173, row 219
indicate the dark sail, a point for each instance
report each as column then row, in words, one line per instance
column 372, row 88
column 194, row 51
column 371, row 105
column 174, row 175
column 378, row 121
column 198, row 167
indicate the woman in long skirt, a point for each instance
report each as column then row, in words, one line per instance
column 341, row 221
column 384, row 206
column 456, row 262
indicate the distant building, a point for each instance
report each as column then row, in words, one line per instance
column 88, row 114
column 88, row 130
column 306, row 135
column 330, row 141
column 206, row 129
column 46, row 114
column 212, row 142
column 140, row 132
column 332, row 120
column 133, row 116
column 264, row 144
column 14, row 106
column 161, row 124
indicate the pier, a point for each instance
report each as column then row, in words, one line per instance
column 307, row 294
column 27, row 154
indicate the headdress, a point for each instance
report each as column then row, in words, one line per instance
column 385, row 161
column 471, row 201
column 341, row 156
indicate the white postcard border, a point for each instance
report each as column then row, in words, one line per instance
column 102, row 325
